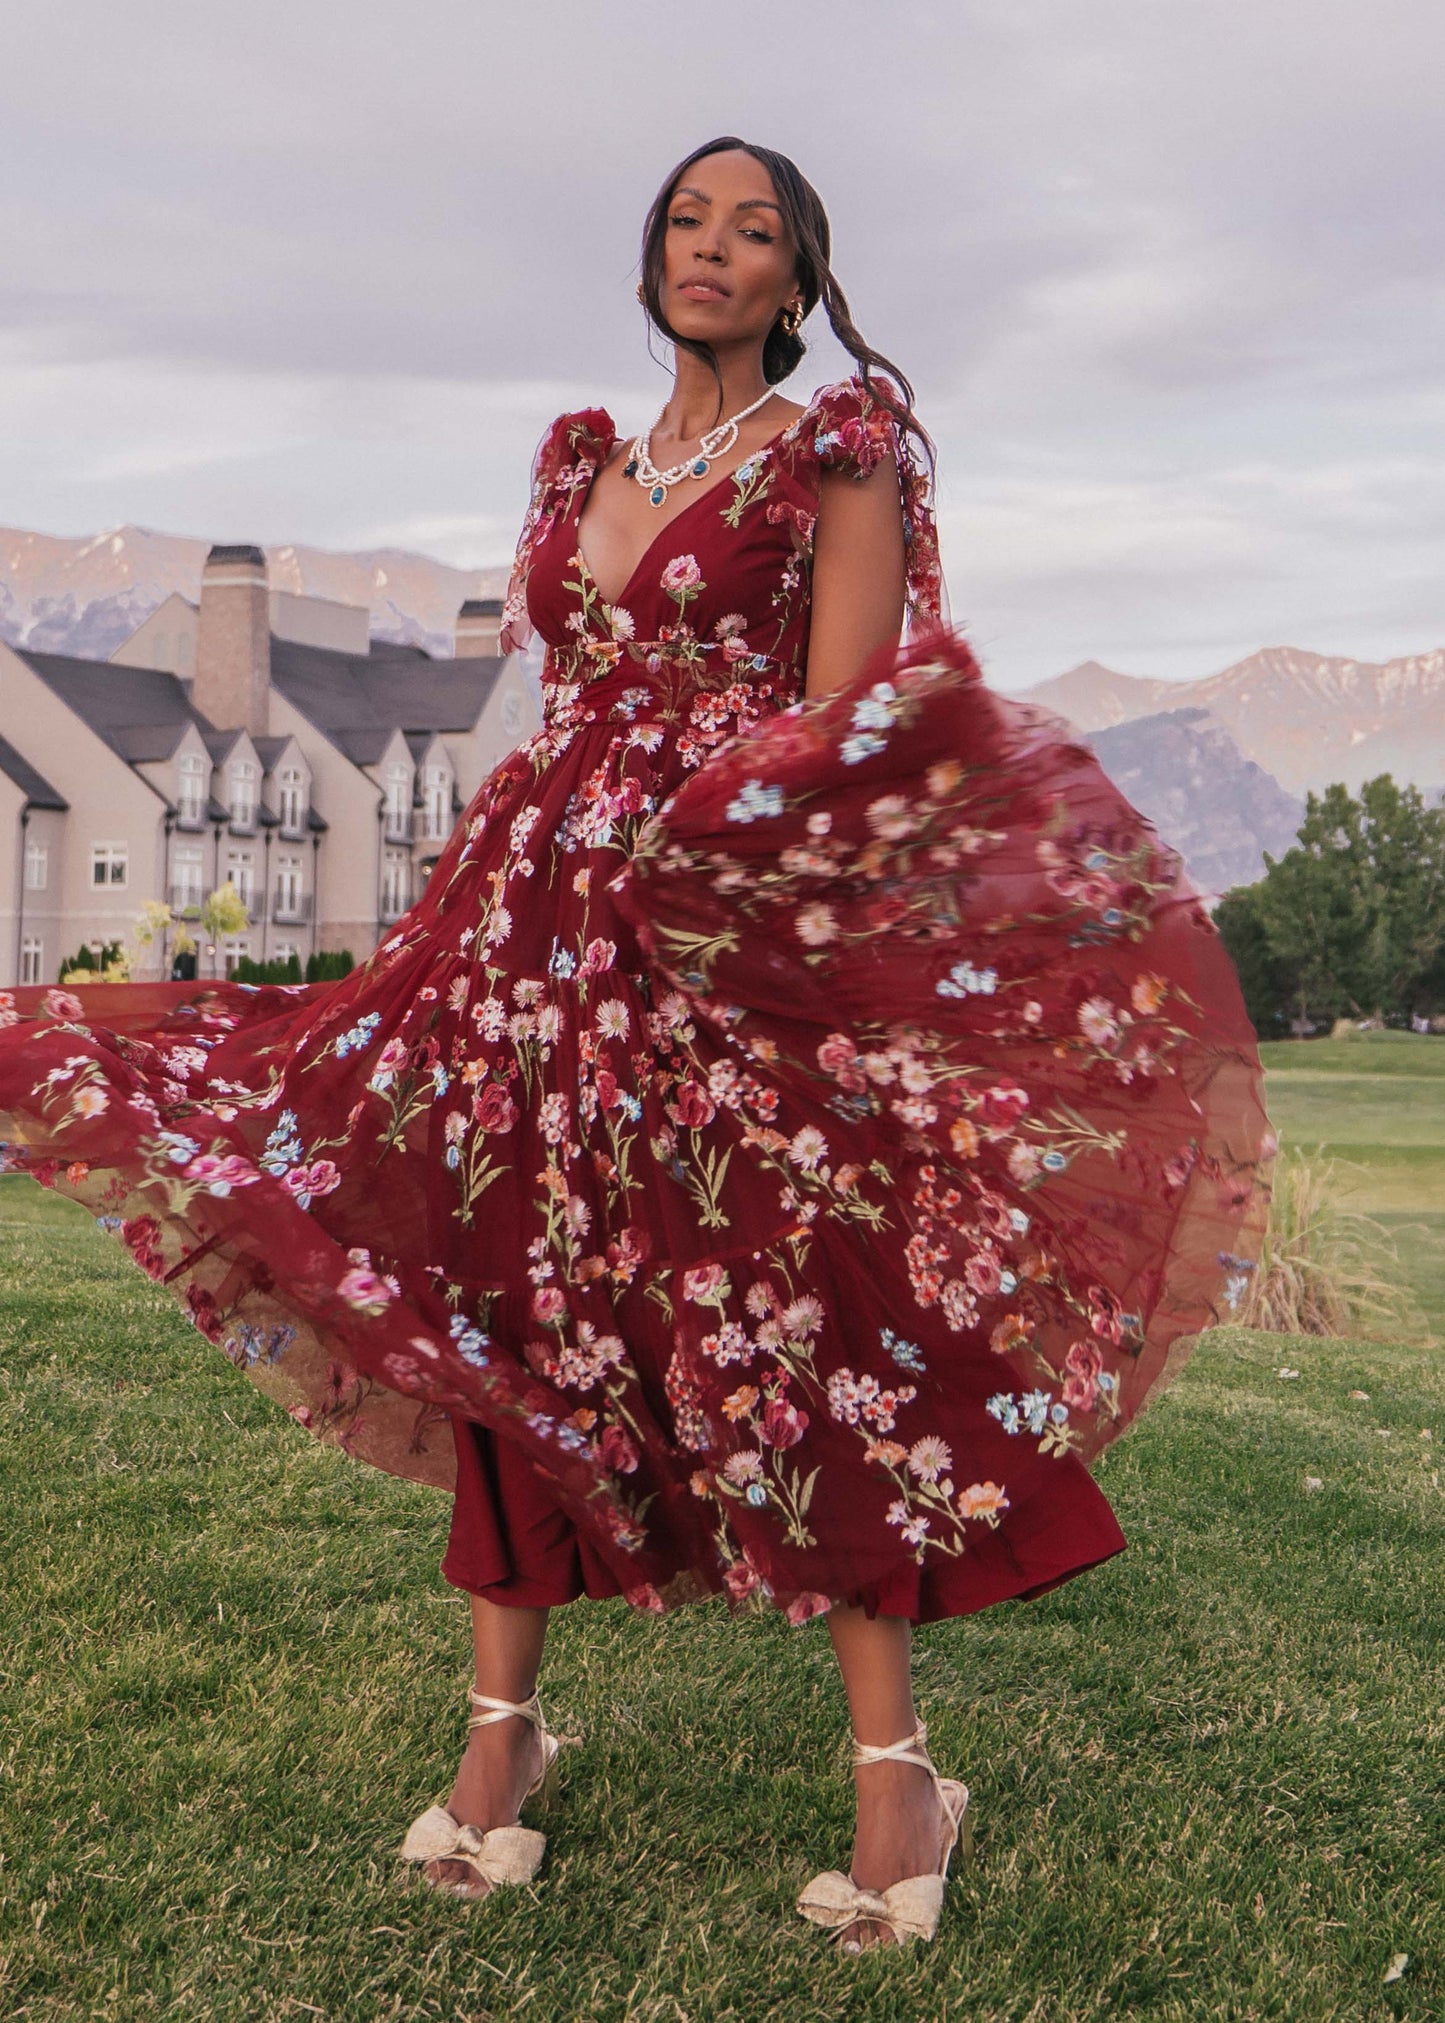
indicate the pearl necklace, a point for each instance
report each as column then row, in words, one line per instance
column 712, row 444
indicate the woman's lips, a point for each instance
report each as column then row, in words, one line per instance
column 704, row 291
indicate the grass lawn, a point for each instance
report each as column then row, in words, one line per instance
column 1207, row 1777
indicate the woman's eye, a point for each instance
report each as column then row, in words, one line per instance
column 681, row 218
column 763, row 238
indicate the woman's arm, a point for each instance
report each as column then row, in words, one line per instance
column 858, row 573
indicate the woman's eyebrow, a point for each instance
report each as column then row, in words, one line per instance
column 747, row 203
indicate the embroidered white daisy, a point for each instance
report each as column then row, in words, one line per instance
column 929, row 1458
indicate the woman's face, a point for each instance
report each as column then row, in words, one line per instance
column 728, row 263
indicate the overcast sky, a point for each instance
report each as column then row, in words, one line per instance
column 1169, row 276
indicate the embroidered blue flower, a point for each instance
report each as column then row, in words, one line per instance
column 562, row 961
column 471, row 1343
column 1054, row 1160
column 963, row 978
column 1001, row 1405
column 855, row 749
column 359, row 1035
column 1035, row 1407
column 754, row 800
column 877, row 709
column 905, row 1354
column 180, row 1150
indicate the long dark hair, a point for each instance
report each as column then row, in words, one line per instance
column 807, row 225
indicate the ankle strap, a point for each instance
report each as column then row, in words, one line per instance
column 526, row 1710
column 911, row 1749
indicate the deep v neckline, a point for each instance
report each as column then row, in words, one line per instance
column 584, row 492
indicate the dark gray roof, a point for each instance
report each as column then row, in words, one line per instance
column 359, row 698
column 235, row 551
column 356, row 699
column 138, row 742
column 268, row 750
column 34, row 786
column 481, row 607
column 219, row 743
column 140, row 712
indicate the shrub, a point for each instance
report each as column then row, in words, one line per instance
column 1325, row 1269
column 327, row 963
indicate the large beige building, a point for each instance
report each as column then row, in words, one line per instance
column 258, row 737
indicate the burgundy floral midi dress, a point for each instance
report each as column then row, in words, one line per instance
column 785, row 1143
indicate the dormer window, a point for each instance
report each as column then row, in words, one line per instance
column 291, row 798
column 436, row 801
column 243, row 793
column 398, row 801
column 191, row 796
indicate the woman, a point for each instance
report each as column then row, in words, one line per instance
column 803, row 1121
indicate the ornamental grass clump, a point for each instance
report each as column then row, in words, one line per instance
column 1324, row 1268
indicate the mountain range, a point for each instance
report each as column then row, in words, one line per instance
column 85, row 596
column 1308, row 718
column 1218, row 764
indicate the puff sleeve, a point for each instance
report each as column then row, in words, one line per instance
column 565, row 457
column 854, row 430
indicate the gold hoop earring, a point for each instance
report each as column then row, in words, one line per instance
column 642, row 294
column 791, row 318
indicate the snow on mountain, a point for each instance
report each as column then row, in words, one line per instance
column 1307, row 718
column 85, row 596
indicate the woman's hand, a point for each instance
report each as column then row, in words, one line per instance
column 858, row 574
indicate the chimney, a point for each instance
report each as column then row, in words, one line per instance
column 479, row 625
column 233, row 640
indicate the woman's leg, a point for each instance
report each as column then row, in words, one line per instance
column 900, row 1816
column 503, row 1758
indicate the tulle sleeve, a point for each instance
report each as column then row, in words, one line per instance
column 564, row 458
column 854, row 432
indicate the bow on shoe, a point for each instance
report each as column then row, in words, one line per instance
column 505, row 1854
column 910, row 1908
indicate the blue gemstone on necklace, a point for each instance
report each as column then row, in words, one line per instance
column 699, row 469
column 657, row 494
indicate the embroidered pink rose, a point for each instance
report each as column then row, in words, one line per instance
column 783, row 1424
column 1082, row 1366
column 693, row 1106
column 681, row 574
column 618, row 1450
column 494, row 1109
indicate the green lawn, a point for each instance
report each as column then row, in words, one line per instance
column 1207, row 1777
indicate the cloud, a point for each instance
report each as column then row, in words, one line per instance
column 1166, row 278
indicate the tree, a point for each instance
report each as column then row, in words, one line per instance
column 224, row 912
column 1267, row 983
column 1356, row 910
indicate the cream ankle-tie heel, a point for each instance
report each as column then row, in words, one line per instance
column 909, row 1908
column 503, row 1854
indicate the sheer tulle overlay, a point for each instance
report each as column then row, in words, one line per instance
column 785, row 1143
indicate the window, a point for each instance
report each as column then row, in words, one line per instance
column 243, row 793
column 109, row 864
column 398, row 800
column 232, row 950
column 187, row 878
column 32, row 959
column 288, row 888
column 191, row 797
column 291, row 797
column 285, row 951
column 241, row 870
column 437, row 801
column 394, row 884
column 37, row 866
